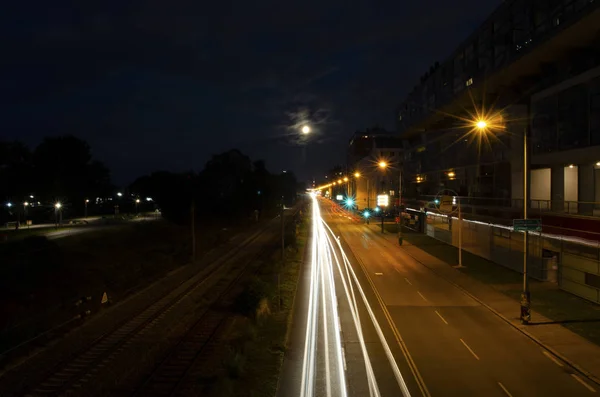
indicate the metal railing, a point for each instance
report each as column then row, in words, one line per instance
column 569, row 262
column 582, row 208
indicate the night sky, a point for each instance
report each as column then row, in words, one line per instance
column 161, row 84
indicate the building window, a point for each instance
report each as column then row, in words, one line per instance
column 469, row 82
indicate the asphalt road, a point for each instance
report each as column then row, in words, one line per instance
column 442, row 342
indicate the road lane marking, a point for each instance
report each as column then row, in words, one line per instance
column 505, row 390
column 551, row 357
column 407, row 280
column 421, row 295
column 398, row 337
column 578, row 379
column 440, row 316
column 471, row 350
column 344, row 357
column 379, row 274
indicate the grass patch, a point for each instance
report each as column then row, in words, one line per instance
column 42, row 279
column 257, row 347
column 576, row 314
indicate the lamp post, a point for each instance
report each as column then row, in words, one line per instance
column 137, row 203
column 383, row 165
column 85, row 206
column 25, row 205
column 57, row 213
column 525, row 295
column 482, row 126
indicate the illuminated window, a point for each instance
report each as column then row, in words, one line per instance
column 469, row 82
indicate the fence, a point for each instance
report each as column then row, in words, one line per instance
column 572, row 263
column 472, row 204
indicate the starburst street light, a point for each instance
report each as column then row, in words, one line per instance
column 382, row 164
column 481, row 125
column 357, row 174
column 57, row 205
column 305, row 129
column 345, row 179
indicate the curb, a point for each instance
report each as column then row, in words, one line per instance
column 570, row 363
column 290, row 318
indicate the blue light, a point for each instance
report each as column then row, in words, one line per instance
column 367, row 214
column 436, row 201
column 376, row 209
column 349, row 202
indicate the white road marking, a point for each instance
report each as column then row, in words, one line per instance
column 407, row 280
column 440, row 316
column 578, row 379
column 379, row 274
column 505, row 390
column 471, row 350
column 344, row 357
column 421, row 295
column 551, row 357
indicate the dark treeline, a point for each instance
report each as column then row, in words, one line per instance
column 62, row 169
column 230, row 186
column 59, row 169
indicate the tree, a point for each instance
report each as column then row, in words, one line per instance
column 64, row 169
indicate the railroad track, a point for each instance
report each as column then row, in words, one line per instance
column 68, row 376
column 198, row 344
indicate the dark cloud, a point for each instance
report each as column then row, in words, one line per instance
column 155, row 84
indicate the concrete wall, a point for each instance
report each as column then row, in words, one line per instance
column 540, row 184
column 571, row 184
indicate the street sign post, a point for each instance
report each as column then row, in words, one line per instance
column 446, row 204
column 383, row 200
column 527, row 225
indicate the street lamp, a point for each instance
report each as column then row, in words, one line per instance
column 86, row 204
column 119, row 194
column 9, row 204
column 384, row 165
column 483, row 125
column 137, row 203
column 57, row 212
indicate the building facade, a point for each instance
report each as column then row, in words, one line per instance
column 533, row 66
column 367, row 152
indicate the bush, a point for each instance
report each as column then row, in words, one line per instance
column 234, row 365
column 248, row 301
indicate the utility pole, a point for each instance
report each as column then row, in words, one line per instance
column 282, row 258
column 525, row 295
column 400, row 239
column 193, row 220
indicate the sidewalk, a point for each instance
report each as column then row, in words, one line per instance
column 494, row 287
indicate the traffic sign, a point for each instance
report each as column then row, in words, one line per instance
column 446, row 204
column 527, row 225
column 383, row 200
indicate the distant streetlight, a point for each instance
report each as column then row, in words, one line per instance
column 31, row 196
column 481, row 125
column 57, row 213
column 340, row 181
column 137, row 203
column 345, row 179
column 306, row 129
column 86, row 203
column 382, row 164
column 25, row 204
column 119, row 194
column 9, row 204
column 357, row 174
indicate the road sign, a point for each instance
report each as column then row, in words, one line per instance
column 383, row 200
column 446, row 204
column 339, row 197
column 529, row 225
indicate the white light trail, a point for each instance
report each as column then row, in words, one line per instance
column 323, row 330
